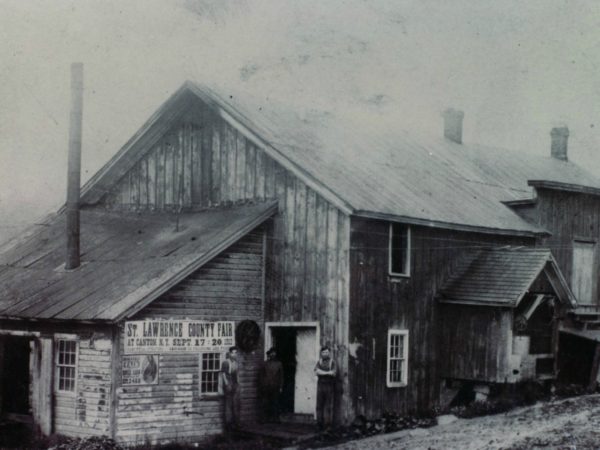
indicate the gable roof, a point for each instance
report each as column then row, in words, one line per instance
column 366, row 170
column 502, row 277
column 128, row 260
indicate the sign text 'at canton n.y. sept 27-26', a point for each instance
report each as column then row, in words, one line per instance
column 162, row 336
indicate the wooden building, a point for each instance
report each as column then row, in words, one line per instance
column 240, row 220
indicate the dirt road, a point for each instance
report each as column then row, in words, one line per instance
column 572, row 423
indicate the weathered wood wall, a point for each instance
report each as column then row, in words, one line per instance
column 204, row 162
column 86, row 412
column 230, row 287
column 480, row 341
column 379, row 302
column 568, row 216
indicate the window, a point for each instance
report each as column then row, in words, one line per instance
column 399, row 250
column 210, row 365
column 397, row 358
column 66, row 365
column 582, row 276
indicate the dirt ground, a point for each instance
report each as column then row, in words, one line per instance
column 572, row 423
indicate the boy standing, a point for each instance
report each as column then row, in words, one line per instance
column 326, row 372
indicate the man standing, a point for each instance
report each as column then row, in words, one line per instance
column 326, row 372
column 271, row 384
column 231, row 390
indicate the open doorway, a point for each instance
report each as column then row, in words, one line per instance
column 297, row 349
column 15, row 377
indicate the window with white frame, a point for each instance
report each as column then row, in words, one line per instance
column 399, row 250
column 397, row 358
column 66, row 365
column 210, row 366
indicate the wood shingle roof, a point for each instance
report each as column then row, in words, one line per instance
column 502, row 276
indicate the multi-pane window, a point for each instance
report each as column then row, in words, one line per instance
column 66, row 365
column 399, row 250
column 397, row 358
column 210, row 366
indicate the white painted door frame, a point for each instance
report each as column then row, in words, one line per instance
column 297, row 325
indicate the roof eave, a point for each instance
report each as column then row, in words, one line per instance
column 559, row 186
column 448, row 225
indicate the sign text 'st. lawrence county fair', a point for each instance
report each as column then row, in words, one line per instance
column 162, row 336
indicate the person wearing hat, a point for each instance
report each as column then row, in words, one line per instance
column 270, row 386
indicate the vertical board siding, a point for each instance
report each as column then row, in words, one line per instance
column 308, row 260
column 569, row 217
column 379, row 302
column 86, row 412
column 227, row 288
column 484, row 335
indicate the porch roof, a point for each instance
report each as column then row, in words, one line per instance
column 502, row 277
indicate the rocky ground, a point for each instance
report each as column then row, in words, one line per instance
column 572, row 423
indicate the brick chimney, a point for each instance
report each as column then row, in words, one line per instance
column 453, row 124
column 558, row 149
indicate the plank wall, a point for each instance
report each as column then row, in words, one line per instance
column 569, row 216
column 86, row 412
column 379, row 302
column 230, row 287
column 481, row 342
column 203, row 162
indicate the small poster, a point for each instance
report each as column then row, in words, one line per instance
column 177, row 336
column 140, row 369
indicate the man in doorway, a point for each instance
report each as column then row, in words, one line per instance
column 271, row 385
column 231, row 390
column 326, row 373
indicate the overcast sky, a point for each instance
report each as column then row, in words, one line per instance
column 516, row 68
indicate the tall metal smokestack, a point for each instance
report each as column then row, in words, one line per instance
column 74, row 175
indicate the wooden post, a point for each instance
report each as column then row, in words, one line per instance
column 594, row 370
column 41, row 367
column 74, row 171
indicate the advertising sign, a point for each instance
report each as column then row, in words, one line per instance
column 182, row 336
column 140, row 369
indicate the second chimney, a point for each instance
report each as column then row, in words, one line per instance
column 453, row 124
column 558, row 149
column 74, row 171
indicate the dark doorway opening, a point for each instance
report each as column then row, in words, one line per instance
column 575, row 358
column 14, row 376
column 284, row 341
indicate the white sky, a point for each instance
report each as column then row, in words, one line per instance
column 516, row 69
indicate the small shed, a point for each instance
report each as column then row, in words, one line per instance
column 129, row 344
column 500, row 313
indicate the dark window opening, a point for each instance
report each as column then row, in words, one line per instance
column 399, row 249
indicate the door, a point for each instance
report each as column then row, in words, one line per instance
column 15, row 376
column 305, row 394
column 582, row 278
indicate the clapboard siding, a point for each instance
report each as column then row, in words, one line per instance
column 569, row 216
column 308, row 257
column 87, row 411
column 227, row 288
column 379, row 302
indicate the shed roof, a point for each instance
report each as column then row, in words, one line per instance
column 502, row 277
column 370, row 169
column 128, row 259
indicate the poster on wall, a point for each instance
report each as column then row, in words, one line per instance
column 140, row 369
column 168, row 336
